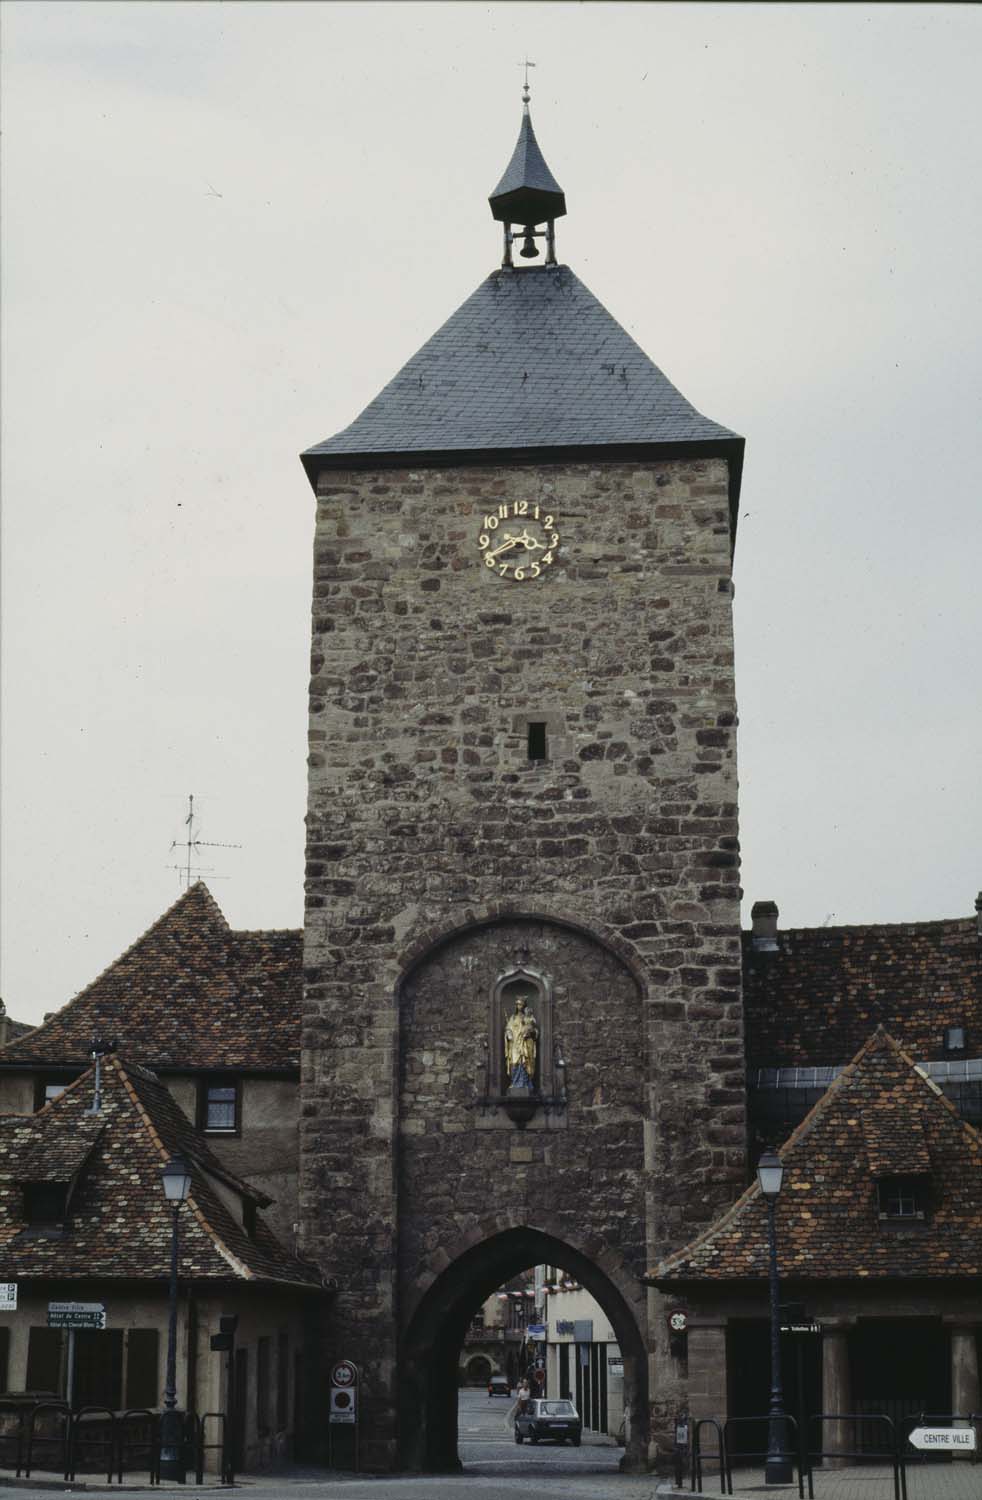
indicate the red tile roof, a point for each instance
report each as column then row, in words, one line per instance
column 820, row 995
column 119, row 1220
column 828, row 1224
column 190, row 993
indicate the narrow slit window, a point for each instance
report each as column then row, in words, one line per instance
column 537, row 741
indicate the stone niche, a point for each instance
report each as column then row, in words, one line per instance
column 454, row 1007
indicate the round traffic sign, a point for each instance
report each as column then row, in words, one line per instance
column 344, row 1373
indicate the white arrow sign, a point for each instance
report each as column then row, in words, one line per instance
column 944, row 1439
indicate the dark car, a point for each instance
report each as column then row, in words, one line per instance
column 499, row 1385
column 549, row 1421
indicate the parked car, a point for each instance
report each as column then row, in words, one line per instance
column 499, row 1385
column 549, row 1421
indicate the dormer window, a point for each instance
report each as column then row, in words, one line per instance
column 902, row 1198
column 45, row 1204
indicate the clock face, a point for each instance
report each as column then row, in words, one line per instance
column 519, row 540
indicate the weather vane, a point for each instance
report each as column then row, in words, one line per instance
column 526, row 96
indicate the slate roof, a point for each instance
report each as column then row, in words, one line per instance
column 119, row 1219
column 527, row 192
column 828, row 1224
column 531, row 360
column 820, row 995
column 190, row 993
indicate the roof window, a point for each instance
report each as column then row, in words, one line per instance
column 45, row 1204
column 902, row 1198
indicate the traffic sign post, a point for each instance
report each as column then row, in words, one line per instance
column 8, row 1296
column 343, row 1410
column 73, row 1316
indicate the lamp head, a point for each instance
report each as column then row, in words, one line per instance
column 176, row 1177
column 770, row 1174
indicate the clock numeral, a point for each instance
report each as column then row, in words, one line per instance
column 483, row 540
column 503, row 512
column 535, row 512
column 519, row 574
column 490, row 523
column 504, row 568
column 549, row 522
column 521, row 507
column 547, row 558
column 535, row 570
column 489, row 561
column 554, row 539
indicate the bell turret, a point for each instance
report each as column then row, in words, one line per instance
column 528, row 195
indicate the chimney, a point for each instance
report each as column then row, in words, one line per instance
column 763, row 918
column 978, row 913
column 4, row 1026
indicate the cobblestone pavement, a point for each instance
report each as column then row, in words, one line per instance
column 925, row 1481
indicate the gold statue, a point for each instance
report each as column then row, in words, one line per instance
column 521, row 1045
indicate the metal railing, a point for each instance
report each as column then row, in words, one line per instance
column 128, row 1441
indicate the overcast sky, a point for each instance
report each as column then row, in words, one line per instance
column 226, row 226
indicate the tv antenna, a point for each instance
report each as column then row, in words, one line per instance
column 193, row 845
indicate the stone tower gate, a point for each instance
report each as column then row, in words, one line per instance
column 522, row 801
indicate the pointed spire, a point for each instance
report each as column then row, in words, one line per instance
column 527, row 193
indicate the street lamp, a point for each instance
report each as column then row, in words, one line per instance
column 778, row 1468
column 176, row 1177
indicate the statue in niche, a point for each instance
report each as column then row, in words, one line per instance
column 521, row 1045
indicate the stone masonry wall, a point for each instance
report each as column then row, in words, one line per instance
column 426, row 814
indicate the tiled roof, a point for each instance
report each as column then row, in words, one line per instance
column 530, row 360
column 119, row 1219
column 828, row 1224
column 190, row 993
column 827, row 988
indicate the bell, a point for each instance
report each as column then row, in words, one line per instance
column 528, row 250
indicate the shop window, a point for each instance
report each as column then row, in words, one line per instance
column 902, row 1197
column 142, row 1368
column 262, row 1385
column 44, row 1361
column 219, row 1106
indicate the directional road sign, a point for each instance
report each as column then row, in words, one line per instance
column 943, row 1439
column 76, row 1315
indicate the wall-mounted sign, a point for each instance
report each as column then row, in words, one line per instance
column 76, row 1315
column 8, row 1296
column 565, row 1326
column 678, row 1320
column 615, row 1368
column 536, row 1331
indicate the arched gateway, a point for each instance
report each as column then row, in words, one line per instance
column 435, row 1331
column 522, row 1024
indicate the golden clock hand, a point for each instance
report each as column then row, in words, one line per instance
column 530, row 543
column 509, row 541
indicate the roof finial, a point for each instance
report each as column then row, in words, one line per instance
column 526, row 93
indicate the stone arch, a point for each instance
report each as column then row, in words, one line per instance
column 441, row 1310
column 425, row 942
column 478, row 1370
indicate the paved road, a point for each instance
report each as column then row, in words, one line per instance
column 495, row 1468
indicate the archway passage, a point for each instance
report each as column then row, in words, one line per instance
column 432, row 1342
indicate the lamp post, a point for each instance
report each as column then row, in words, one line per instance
column 778, row 1468
column 176, row 1177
